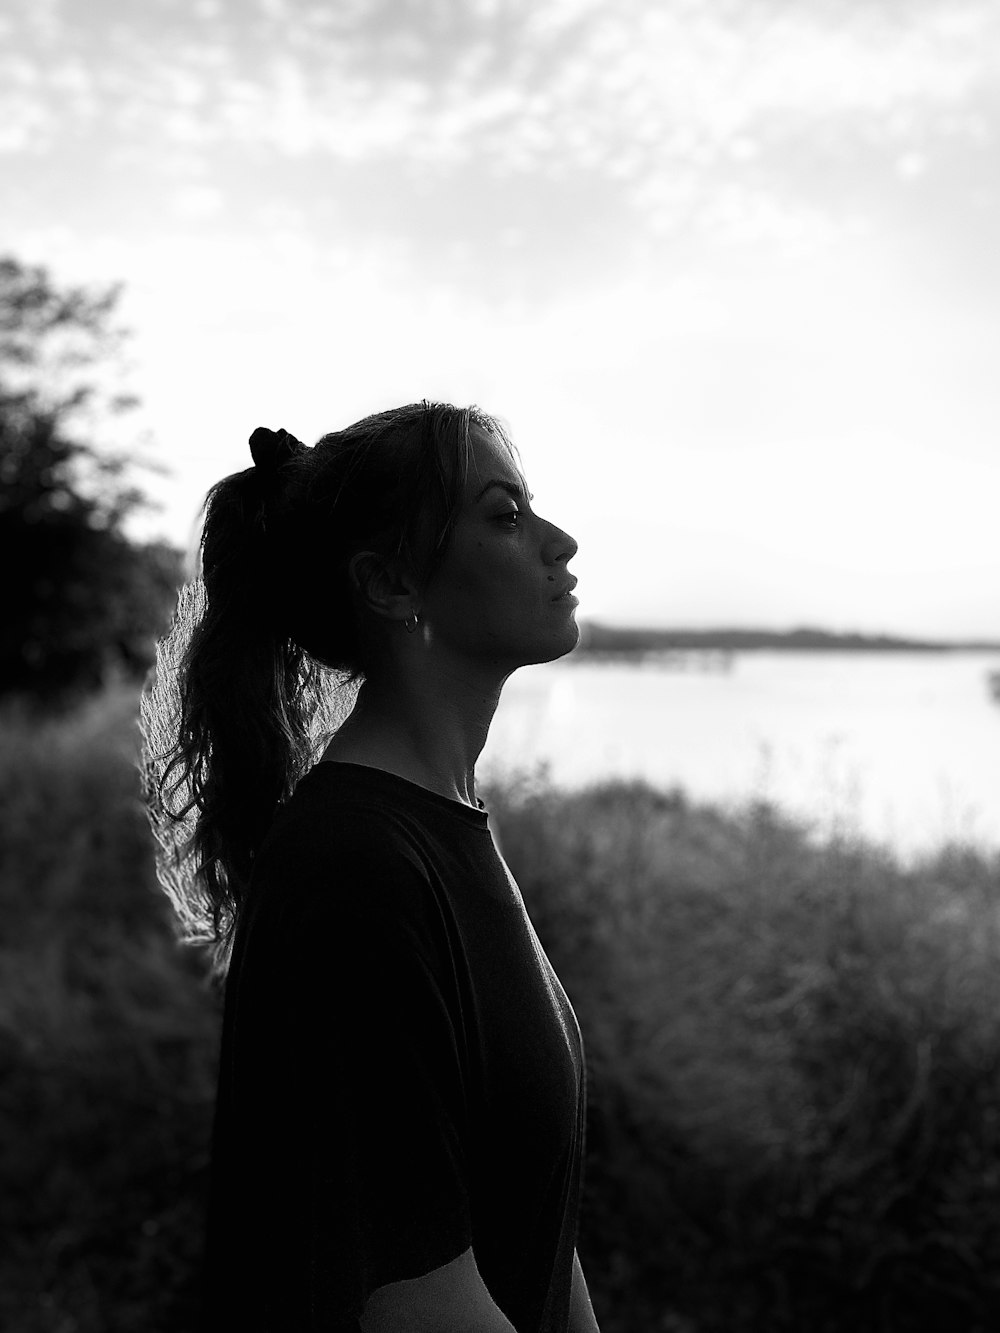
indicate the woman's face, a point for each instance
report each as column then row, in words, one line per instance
column 503, row 593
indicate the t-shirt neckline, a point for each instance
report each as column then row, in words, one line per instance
column 381, row 777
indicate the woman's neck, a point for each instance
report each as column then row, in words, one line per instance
column 428, row 731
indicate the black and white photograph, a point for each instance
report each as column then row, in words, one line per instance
column 500, row 666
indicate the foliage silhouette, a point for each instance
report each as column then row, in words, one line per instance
column 793, row 1055
column 83, row 601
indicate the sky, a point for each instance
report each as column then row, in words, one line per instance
column 727, row 269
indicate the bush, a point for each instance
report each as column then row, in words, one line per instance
column 107, row 1043
column 792, row 1053
column 795, row 1060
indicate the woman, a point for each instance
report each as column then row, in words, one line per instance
column 399, row 1124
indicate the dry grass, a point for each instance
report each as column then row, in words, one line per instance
column 794, row 1056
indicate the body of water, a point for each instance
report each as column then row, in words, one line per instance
column 901, row 747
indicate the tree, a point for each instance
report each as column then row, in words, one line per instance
column 81, row 599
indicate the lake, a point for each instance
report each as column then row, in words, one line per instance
column 901, row 747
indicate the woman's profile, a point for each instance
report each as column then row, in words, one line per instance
column 399, row 1121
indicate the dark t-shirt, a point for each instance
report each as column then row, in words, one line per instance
column 401, row 1073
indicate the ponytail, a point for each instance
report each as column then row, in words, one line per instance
column 231, row 720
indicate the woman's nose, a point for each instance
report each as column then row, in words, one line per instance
column 559, row 546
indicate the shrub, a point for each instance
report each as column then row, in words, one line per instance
column 107, row 1041
column 792, row 1049
column 795, row 1060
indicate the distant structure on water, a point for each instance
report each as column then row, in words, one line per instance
column 713, row 649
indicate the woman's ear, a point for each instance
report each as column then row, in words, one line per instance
column 381, row 585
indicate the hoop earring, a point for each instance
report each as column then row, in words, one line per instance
column 408, row 626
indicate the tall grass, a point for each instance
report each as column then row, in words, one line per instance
column 794, row 1057
column 107, row 1036
column 796, row 1061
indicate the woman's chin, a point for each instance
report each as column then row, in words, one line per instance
column 562, row 643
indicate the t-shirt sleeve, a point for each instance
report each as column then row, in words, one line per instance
column 377, row 1050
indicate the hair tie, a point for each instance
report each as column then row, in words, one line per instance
column 270, row 448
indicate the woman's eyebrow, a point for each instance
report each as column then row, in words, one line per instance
column 511, row 487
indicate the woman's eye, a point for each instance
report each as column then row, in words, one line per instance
column 509, row 517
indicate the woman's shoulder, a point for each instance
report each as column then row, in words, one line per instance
column 344, row 847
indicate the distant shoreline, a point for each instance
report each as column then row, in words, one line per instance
column 620, row 641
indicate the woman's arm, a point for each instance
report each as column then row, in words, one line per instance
column 450, row 1299
column 581, row 1313
column 454, row 1299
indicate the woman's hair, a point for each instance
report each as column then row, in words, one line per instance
column 266, row 650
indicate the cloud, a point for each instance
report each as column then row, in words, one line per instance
column 670, row 119
column 623, row 86
column 197, row 202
